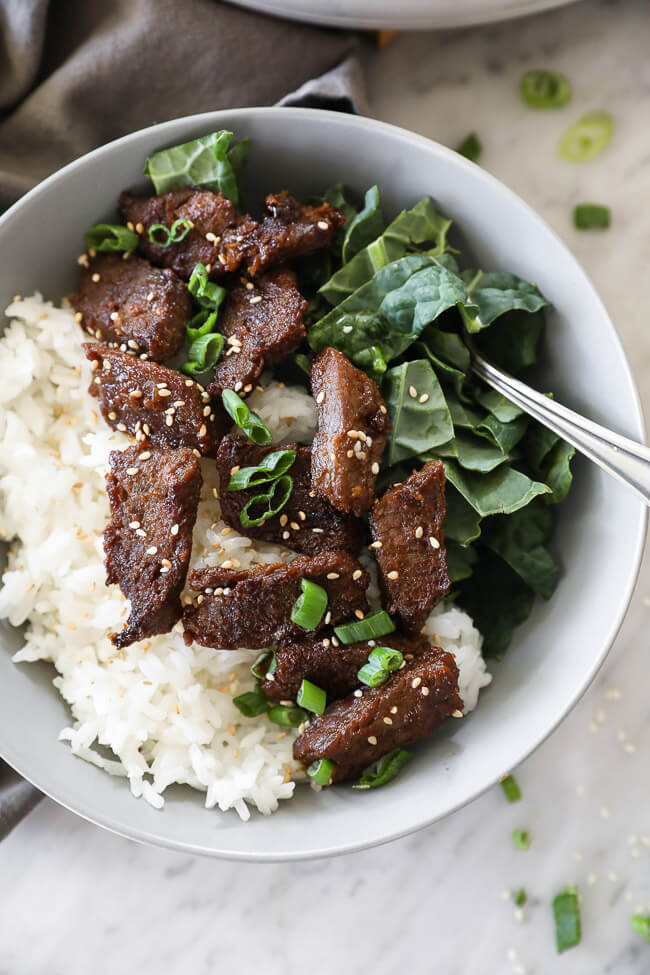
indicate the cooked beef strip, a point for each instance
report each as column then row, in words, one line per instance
column 328, row 663
column 290, row 229
column 217, row 238
column 263, row 322
column 252, row 608
column 352, row 431
column 223, row 239
column 133, row 304
column 153, row 496
column 408, row 540
column 356, row 731
column 307, row 523
column 135, row 396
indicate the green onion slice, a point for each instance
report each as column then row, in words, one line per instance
column 521, row 897
column 566, row 913
column 321, row 771
column 311, row 698
column 206, row 293
column 372, row 675
column 203, row 353
column 588, row 137
column 272, row 467
column 111, row 237
column 260, row 669
column 309, row 608
column 248, row 421
column 521, row 838
column 387, row 769
column 382, row 661
column 545, row 89
column 470, row 147
column 586, row 216
column 511, row 788
column 641, row 924
column 201, row 324
column 290, row 716
column 370, row 627
column 172, row 235
column 252, row 702
column 272, row 502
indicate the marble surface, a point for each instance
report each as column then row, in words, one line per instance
column 74, row 898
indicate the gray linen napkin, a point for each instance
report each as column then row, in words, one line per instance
column 75, row 75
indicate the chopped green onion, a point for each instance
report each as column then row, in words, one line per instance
column 567, row 919
column 521, row 897
column 291, row 716
column 521, row 838
column 111, row 237
column 586, row 216
column 309, row 608
column 545, row 89
column 311, row 698
column 173, row 235
column 255, row 669
column 370, row 627
column 248, row 421
column 387, row 769
column 203, row 353
column 470, row 147
column 252, row 702
column 275, row 500
column 272, row 467
column 303, row 362
column 321, row 771
column 206, row 293
column 511, row 788
column 372, row 675
column 641, row 924
column 588, row 137
column 201, row 324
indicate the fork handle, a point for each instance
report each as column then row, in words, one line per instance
column 621, row 457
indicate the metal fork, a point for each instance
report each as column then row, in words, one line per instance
column 619, row 456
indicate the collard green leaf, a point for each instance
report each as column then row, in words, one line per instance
column 498, row 405
column 511, row 342
column 476, row 454
column 520, row 541
column 462, row 524
column 417, row 426
column 421, row 227
column 462, row 414
column 490, row 295
column 388, row 313
column 497, row 599
column 206, row 161
column 501, row 491
column 460, row 561
column 504, row 435
column 550, row 459
column 365, row 227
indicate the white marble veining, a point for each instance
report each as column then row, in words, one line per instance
column 74, row 899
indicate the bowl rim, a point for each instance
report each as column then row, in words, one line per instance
column 210, row 119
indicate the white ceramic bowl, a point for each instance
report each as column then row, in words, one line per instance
column 598, row 540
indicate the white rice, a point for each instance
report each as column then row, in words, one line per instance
column 162, row 711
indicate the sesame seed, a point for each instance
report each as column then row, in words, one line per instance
column 323, row 225
column 419, row 531
column 164, row 392
column 96, row 277
column 326, row 643
column 349, row 454
column 457, row 713
column 359, row 613
column 416, row 682
column 347, row 329
column 394, row 574
column 189, row 382
column 134, row 524
column 131, row 471
column 166, row 563
column 383, row 409
column 249, row 285
column 152, row 550
column 393, row 710
column 424, row 398
column 132, row 344
column 238, row 385
column 318, row 531
column 425, row 691
column 372, row 740
column 227, row 564
column 169, row 419
column 255, row 300
column 283, row 520
column 321, row 397
column 141, row 532
column 112, row 415
column 388, row 720
column 434, row 542
column 333, row 575
column 174, row 530
column 139, row 228
column 358, row 693
column 375, row 468
column 211, row 237
column 357, row 574
column 413, row 393
column 145, row 455
column 376, row 545
column 286, row 535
